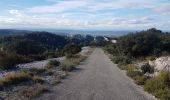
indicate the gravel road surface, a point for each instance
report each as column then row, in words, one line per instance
column 97, row 79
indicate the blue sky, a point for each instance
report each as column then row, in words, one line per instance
column 85, row 14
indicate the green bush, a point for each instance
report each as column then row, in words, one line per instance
column 36, row 71
column 50, row 72
column 67, row 66
column 121, row 60
column 159, row 85
column 9, row 61
column 72, row 49
column 69, row 56
column 140, row 80
column 126, row 66
column 147, row 68
column 163, row 94
column 132, row 71
column 52, row 63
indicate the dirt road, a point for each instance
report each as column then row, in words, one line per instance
column 97, row 79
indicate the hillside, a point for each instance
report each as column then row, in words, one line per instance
column 8, row 32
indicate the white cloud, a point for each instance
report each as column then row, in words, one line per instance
column 16, row 13
column 163, row 9
column 20, row 19
column 60, row 6
column 91, row 5
column 86, row 14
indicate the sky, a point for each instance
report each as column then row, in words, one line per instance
column 85, row 14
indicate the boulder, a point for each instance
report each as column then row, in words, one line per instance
column 162, row 63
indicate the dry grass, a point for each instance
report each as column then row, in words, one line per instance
column 15, row 78
column 69, row 63
column 33, row 91
column 52, row 64
column 67, row 66
column 38, row 79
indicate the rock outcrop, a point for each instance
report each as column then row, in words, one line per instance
column 162, row 63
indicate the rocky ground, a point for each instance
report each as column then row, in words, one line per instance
column 51, row 77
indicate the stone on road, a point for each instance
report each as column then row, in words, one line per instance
column 97, row 79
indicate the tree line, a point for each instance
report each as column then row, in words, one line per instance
column 151, row 42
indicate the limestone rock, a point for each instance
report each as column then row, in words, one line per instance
column 162, row 63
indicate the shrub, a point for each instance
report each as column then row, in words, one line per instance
column 50, row 72
column 69, row 56
column 147, row 68
column 159, row 85
column 34, row 91
column 36, row 71
column 163, row 94
column 70, row 63
column 72, row 49
column 15, row 78
column 126, row 67
column 9, row 61
column 52, row 63
column 133, row 72
column 140, row 80
column 152, row 58
column 121, row 60
column 67, row 66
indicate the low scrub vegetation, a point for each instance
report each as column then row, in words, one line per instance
column 141, row 79
column 15, row 78
column 159, row 85
column 33, row 91
column 67, row 66
column 72, row 49
column 52, row 64
column 132, row 71
column 143, row 46
column 121, row 60
column 70, row 63
column 146, row 68
column 36, row 71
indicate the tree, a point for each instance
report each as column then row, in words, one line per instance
column 72, row 49
column 25, row 47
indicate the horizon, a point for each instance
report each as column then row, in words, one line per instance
column 85, row 14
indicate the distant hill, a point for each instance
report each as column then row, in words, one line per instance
column 65, row 32
column 8, row 32
column 92, row 32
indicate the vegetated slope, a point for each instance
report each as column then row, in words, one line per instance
column 37, row 46
column 48, row 40
column 44, row 39
column 97, row 79
column 140, row 44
